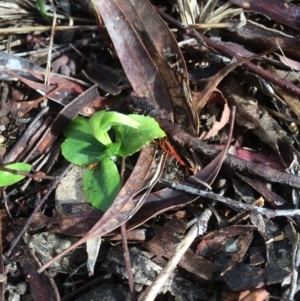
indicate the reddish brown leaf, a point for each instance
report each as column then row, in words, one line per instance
column 13, row 66
column 214, row 241
column 252, row 156
column 281, row 11
column 260, row 38
column 274, row 199
column 136, row 61
column 42, row 287
column 164, row 245
column 243, row 245
column 251, row 116
column 257, row 295
column 201, row 98
column 289, row 62
column 68, row 225
column 103, row 83
column 28, row 140
column 217, row 97
column 170, row 63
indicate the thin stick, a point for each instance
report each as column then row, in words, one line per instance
column 48, row 67
column 27, row 174
column 46, row 28
column 126, row 250
column 128, row 263
column 237, row 205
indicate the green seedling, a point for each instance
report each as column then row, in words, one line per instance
column 103, row 121
column 88, row 144
column 9, row 178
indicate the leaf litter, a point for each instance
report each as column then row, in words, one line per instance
column 251, row 186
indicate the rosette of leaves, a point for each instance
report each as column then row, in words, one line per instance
column 88, row 143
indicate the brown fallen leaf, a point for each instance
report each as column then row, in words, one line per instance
column 255, row 295
column 289, row 98
column 217, row 97
column 274, row 199
column 33, row 75
column 67, row 225
column 250, row 155
column 213, row 242
column 292, row 64
column 102, row 83
column 261, row 38
column 221, row 48
column 42, row 287
column 163, row 245
column 242, row 276
column 281, row 11
column 243, row 242
column 171, row 65
column 252, row 117
column 201, row 98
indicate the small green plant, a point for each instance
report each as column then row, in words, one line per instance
column 89, row 144
column 9, row 178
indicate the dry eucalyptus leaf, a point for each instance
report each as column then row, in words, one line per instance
column 250, row 116
column 92, row 248
column 243, row 277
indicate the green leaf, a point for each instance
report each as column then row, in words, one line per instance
column 42, row 8
column 83, row 149
column 102, row 184
column 102, row 121
column 132, row 140
column 112, row 149
column 78, row 125
column 8, row 178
